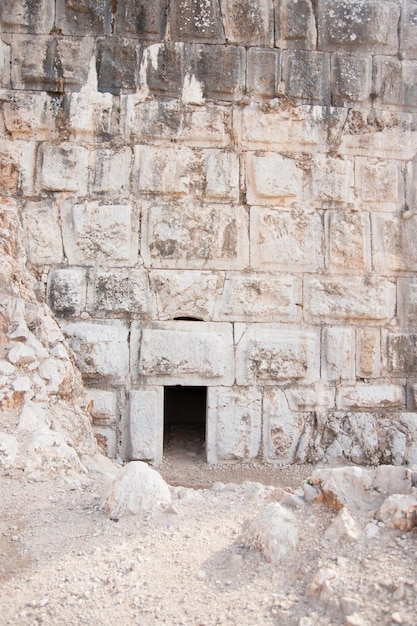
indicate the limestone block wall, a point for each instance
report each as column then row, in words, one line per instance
column 248, row 163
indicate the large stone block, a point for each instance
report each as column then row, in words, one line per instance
column 407, row 302
column 188, row 236
column 318, row 398
column 295, row 24
column 338, row 362
column 161, row 121
column 104, row 408
column 367, row 25
column 233, row 424
column 388, row 82
column 5, row 54
column 145, row 19
column 222, row 176
column 196, row 21
column 273, row 178
column 263, row 73
column 64, row 167
column 166, row 170
column 67, row 291
column 101, row 350
column 332, row 179
column 380, row 182
column 394, row 240
column 185, row 293
column 259, row 298
column 282, row 429
column 119, row 292
column 306, row 76
column 362, row 396
column 25, row 16
column 117, row 65
column 91, row 115
column 97, row 234
column 30, row 115
column 162, row 69
column 53, row 64
column 220, row 70
column 111, row 174
column 185, row 353
column 382, row 134
column 368, row 352
column 351, row 77
column 402, row 353
column 268, row 353
column 353, row 299
column 83, row 17
column 408, row 36
column 146, row 424
column 248, row 22
column 348, row 240
column 287, row 240
column 43, row 239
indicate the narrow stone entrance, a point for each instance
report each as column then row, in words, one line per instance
column 185, row 412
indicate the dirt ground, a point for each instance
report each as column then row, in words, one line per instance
column 62, row 561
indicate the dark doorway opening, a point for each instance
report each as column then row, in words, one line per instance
column 185, row 410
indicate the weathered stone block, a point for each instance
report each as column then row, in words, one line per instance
column 349, row 298
column 382, row 134
column 233, row 424
column 186, row 353
column 112, row 170
column 332, row 179
column 67, row 291
column 408, row 36
column 100, row 234
column 106, row 437
column 191, row 21
column 350, row 78
column 410, row 84
column 53, row 64
column 182, row 293
column 287, row 240
column 30, row 115
column 259, row 298
column 248, row 22
column 159, row 121
column 379, row 182
column 368, row 352
column 145, row 19
column 24, row 16
column 18, row 164
column 361, row 396
column 338, row 361
column 119, row 292
column 295, row 24
column 101, row 350
column 117, row 65
column 188, row 236
column 220, row 70
column 348, row 239
column 407, row 302
column 5, row 54
column 83, row 17
column 222, row 176
column 307, row 75
column 104, row 405
column 162, row 69
column 263, row 73
column 368, row 25
column 43, row 240
column 394, row 240
column 388, row 82
column 9, row 171
column 273, row 177
column 165, row 170
column 282, row 429
column 315, row 398
column 269, row 353
column 402, row 353
column 64, row 167
column 90, row 115
column 146, row 427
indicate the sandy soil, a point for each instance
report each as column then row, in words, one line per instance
column 62, row 561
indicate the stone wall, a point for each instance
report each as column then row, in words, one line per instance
column 248, row 163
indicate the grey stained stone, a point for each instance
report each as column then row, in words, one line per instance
column 117, row 65
column 146, row 19
column 263, row 72
column 83, row 17
column 196, row 21
column 306, row 75
column 350, row 78
column 295, row 24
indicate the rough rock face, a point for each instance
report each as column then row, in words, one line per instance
column 44, row 424
column 248, row 164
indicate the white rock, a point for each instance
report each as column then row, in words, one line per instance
column 8, row 450
column 22, row 384
column 21, row 355
column 274, row 531
column 399, row 511
column 342, row 527
column 6, row 369
column 137, row 489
